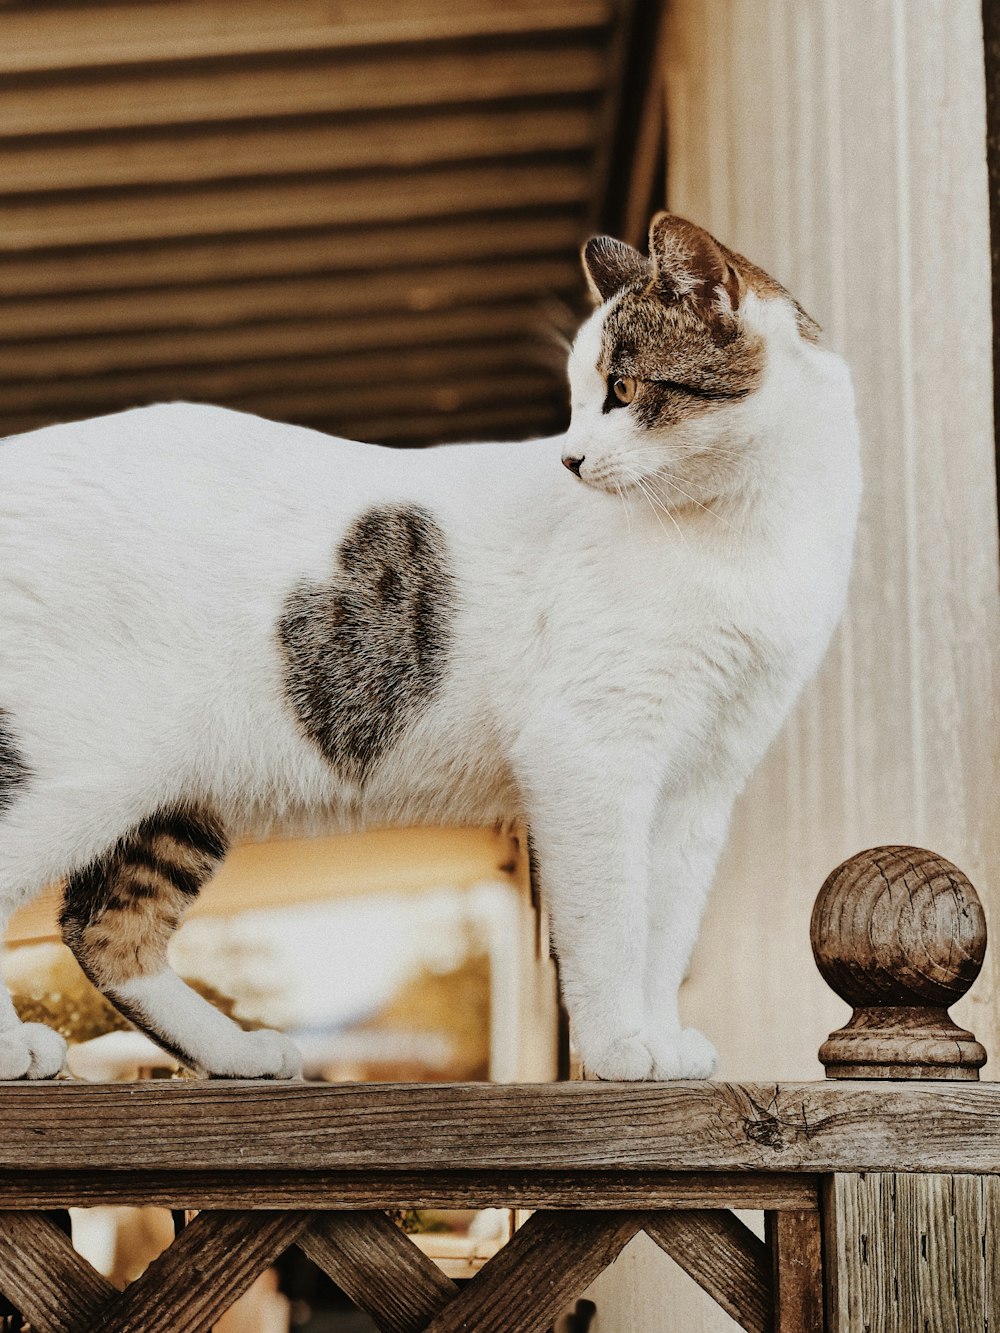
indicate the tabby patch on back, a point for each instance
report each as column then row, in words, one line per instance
column 367, row 650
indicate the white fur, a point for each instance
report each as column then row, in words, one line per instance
column 616, row 672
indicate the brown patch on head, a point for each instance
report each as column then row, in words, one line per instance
column 675, row 327
column 119, row 913
column 685, row 363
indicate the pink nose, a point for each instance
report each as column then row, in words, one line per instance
column 574, row 464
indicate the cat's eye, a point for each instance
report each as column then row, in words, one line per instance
column 623, row 388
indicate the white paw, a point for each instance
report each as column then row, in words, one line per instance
column 31, row 1050
column 262, row 1054
column 625, row 1060
column 684, row 1054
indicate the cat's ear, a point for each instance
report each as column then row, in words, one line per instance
column 611, row 265
column 691, row 264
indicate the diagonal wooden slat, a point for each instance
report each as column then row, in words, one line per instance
column 724, row 1257
column 212, row 1262
column 43, row 1276
column 551, row 1259
column 382, row 1271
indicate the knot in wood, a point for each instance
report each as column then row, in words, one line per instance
column 899, row 933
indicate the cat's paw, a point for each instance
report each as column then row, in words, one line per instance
column 31, row 1050
column 625, row 1060
column 261, row 1054
column 683, row 1054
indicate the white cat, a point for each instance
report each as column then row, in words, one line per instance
column 206, row 617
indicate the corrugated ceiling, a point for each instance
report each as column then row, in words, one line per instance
column 361, row 218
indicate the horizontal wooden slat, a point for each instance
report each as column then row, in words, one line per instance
column 182, row 94
column 810, row 1127
column 239, row 150
column 365, row 374
column 354, row 405
column 31, row 223
column 102, row 353
column 396, row 1189
column 220, row 304
column 217, row 259
column 122, row 34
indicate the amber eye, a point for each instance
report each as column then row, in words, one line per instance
column 623, row 388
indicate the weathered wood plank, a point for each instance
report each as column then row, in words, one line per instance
column 382, row 1271
column 206, row 154
column 795, row 1242
column 400, row 1189
column 122, row 34
column 363, row 374
column 190, row 261
column 724, row 1257
column 43, row 1276
column 353, row 81
column 323, row 295
column 907, row 1252
column 551, row 1259
column 34, row 222
column 683, row 1126
column 212, row 1262
column 379, row 331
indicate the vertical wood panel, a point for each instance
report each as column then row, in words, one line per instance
column 841, row 144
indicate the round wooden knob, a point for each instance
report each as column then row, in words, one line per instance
column 899, row 933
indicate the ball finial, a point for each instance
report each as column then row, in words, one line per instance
column 899, row 933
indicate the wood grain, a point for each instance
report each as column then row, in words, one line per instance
column 725, row 1258
column 204, row 154
column 121, row 34
column 242, row 1126
column 911, row 1252
column 323, row 249
column 219, row 305
column 45, row 1278
column 340, row 1190
column 899, row 933
column 379, row 1268
column 213, row 1261
column 546, row 1263
column 796, row 1253
column 321, row 84
column 168, row 214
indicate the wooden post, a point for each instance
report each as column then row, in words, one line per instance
column 900, row 934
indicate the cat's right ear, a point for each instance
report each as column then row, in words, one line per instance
column 610, row 265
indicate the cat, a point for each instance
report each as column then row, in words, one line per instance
column 207, row 618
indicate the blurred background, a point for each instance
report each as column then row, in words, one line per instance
column 367, row 219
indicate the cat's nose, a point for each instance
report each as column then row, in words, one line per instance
column 574, row 464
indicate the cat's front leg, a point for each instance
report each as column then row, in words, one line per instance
column 687, row 840
column 592, row 844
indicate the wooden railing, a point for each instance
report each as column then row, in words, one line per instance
column 269, row 1166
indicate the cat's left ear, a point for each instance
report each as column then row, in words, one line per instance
column 611, row 265
column 690, row 264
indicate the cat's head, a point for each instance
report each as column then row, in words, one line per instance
column 667, row 373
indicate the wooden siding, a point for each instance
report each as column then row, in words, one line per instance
column 367, row 224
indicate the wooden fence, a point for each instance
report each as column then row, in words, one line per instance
column 880, row 1194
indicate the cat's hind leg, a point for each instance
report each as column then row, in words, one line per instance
column 118, row 916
